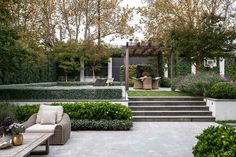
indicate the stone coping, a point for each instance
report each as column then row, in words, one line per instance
column 228, row 100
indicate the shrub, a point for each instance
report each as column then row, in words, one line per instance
column 86, row 124
column 7, row 110
column 217, row 141
column 198, row 84
column 23, row 112
column 84, row 115
column 223, row 90
column 32, row 92
column 96, row 111
column 165, row 82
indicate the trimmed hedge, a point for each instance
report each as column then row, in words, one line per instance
column 223, row 90
column 29, row 92
column 86, row 124
column 96, row 110
column 84, row 115
column 23, row 112
column 219, row 141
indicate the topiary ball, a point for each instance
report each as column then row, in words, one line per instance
column 223, row 90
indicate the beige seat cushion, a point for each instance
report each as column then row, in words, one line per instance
column 38, row 128
column 57, row 109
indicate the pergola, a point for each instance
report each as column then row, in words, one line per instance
column 139, row 50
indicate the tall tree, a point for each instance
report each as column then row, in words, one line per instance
column 95, row 55
column 212, row 39
column 66, row 55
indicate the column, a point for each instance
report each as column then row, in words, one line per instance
column 222, row 66
column 82, row 71
column 193, row 68
column 166, row 71
column 109, row 68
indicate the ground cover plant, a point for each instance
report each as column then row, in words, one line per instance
column 216, row 141
column 83, row 115
column 155, row 93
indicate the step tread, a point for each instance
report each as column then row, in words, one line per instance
column 144, row 106
column 166, row 97
column 164, row 101
column 173, row 117
column 171, row 111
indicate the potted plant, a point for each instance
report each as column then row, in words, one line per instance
column 17, row 136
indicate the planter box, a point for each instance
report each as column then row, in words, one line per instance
column 222, row 109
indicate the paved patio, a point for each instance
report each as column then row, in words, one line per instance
column 154, row 139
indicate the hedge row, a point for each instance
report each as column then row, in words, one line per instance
column 96, row 110
column 43, row 72
column 83, row 115
column 101, row 124
column 7, row 93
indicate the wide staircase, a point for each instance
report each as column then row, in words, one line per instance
column 173, row 109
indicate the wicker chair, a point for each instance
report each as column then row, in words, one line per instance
column 62, row 129
column 155, row 82
column 147, row 83
column 138, row 84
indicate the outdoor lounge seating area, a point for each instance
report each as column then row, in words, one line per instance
column 50, row 119
column 146, row 83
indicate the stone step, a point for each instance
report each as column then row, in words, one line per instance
column 155, row 98
column 167, row 103
column 171, row 113
column 168, row 108
column 173, row 119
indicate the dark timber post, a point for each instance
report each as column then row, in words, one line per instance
column 127, row 67
column 172, row 68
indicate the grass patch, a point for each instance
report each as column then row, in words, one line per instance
column 155, row 93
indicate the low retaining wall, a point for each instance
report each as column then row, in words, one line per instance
column 222, row 109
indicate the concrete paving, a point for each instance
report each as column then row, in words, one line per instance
column 146, row 139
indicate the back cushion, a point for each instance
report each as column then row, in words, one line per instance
column 57, row 109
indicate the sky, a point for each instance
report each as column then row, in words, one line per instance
column 136, row 18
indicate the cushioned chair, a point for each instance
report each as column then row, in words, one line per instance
column 61, row 128
column 138, row 84
column 100, row 82
column 147, row 83
column 155, row 82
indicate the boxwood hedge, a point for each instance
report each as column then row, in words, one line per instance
column 223, row 90
column 216, row 141
column 96, row 110
column 86, row 124
column 84, row 115
column 55, row 92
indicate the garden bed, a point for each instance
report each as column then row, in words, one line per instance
column 83, row 115
column 54, row 91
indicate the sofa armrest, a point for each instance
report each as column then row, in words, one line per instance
column 62, row 130
column 31, row 121
column 65, row 121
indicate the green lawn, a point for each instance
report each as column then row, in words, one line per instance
column 155, row 93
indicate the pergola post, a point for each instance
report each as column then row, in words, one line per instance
column 127, row 67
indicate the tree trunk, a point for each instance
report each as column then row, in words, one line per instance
column 66, row 77
column 93, row 69
column 86, row 20
column 99, row 23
